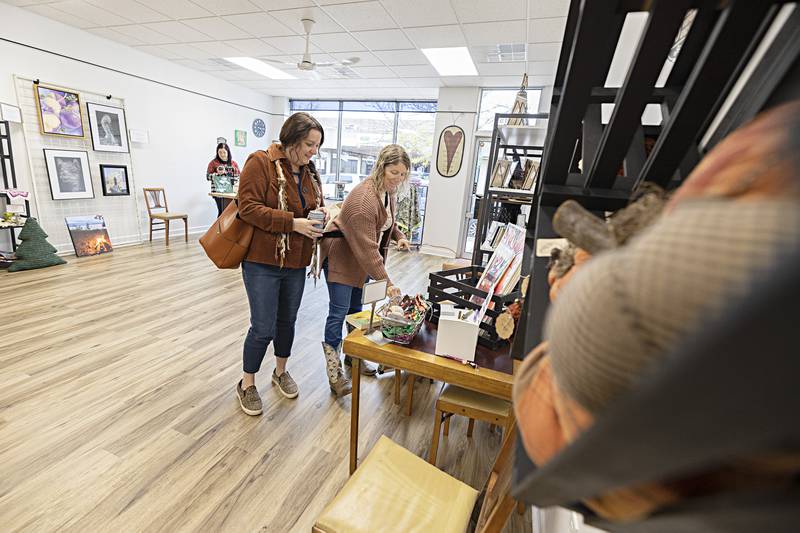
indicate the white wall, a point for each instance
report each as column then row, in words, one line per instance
column 448, row 197
column 183, row 126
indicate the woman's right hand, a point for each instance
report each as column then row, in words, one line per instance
column 307, row 228
column 393, row 292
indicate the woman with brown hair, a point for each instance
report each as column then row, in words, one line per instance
column 278, row 188
column 367, row 222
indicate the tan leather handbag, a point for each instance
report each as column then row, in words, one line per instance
column 227, row 240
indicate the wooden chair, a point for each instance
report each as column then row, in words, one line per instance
column 474, row 405
column 395, row 491
column 156, row 200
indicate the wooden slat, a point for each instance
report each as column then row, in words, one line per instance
column 659, row 34
column 591, row 133
column 716, row 66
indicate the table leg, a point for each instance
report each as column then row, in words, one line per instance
column 354, row 405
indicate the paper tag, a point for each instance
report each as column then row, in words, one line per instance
column 545, row 246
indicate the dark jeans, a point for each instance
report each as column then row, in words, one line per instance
column 343, row 300
column 274, row 295
column 218, row 201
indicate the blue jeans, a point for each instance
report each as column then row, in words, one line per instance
column 343, row 300
column 274, row 295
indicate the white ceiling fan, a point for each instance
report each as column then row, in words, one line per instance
column 306, row 64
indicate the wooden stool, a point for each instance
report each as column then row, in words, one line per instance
column 474, row 405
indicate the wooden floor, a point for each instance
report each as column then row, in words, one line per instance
column 118, row 412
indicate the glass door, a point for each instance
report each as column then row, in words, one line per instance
column 483, row 146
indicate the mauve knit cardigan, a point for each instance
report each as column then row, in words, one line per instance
column 358, row 255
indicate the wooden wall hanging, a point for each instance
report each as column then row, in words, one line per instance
column 451, row 151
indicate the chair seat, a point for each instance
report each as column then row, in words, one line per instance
column 453, row 398
column 168, row 216
column 394, row 490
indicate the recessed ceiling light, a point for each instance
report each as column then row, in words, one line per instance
column 454, row 61
column 260, row 67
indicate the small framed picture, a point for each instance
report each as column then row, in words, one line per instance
column 502, row 169
column 68, row 172
column 115, row 180
column 59, row 111
column 109, row 128
column 240, row 138
column 531, row 169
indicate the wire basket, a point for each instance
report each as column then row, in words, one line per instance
column 402, row 331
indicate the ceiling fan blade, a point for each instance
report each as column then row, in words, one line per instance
column 278, row 62
column 350, row 61
column 327, row 64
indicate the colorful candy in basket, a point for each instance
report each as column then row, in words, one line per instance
column 402, row 318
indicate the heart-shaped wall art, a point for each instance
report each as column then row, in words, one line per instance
column 451, row 151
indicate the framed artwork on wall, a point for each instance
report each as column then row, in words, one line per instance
column 109, row 128
column 89, row 235
column 69, row 175
column 115, row 180
column 451, row 151
column 59, row 111
column 240, row 138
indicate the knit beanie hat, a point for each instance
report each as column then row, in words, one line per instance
column 627, row 309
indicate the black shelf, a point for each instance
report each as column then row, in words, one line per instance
column 9, row 176
column 524, row 141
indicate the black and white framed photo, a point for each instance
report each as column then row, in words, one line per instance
column 109, row 128
column 115, row 180
column 68, row 171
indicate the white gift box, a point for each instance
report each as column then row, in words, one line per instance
column 456, row 337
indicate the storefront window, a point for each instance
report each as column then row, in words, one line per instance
column 502, row 101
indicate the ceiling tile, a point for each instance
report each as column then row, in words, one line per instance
column 240, row 75
column 322, row 22
column 289, row 45
column 336, row 42
column 365, row 59
column 361, row 16
column 384, row 82
column 228, row 7
column 270, row 5
column 192, row 64
column 177, row 9
column 384, row 39
column 542, row 68
column 217, row 49
column 132, row 11
column 548, row 8
column 373, row 72
column 437, row 36
column 95, row 15
column 402, row 57
column 485, row 33
column 60, row 16
column 160, row 51
column 112, row 35
column 502, row 69
column 461, row 81
column 185, row 51
column 546, row 30
column 420, row 12
column 259, row 25
column 216, row 28
column 178, row 31
column 253, row 47
column 544, row 51
column 415, row 71
column 144, row 34
column 488, row 10
column 423, row 82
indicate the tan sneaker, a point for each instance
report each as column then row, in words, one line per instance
column 286, row 384
column 367, row 368
column 249, row 399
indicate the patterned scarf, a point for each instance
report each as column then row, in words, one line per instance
column 283, row 205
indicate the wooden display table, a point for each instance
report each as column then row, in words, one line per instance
column 493, row 376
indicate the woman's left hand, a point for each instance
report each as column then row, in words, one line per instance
column 403, row 244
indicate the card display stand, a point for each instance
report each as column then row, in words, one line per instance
column 10, row 177
column 458, row 286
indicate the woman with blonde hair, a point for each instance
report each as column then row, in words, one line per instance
column 367, row 223
column 278, row 189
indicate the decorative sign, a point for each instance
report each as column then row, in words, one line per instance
column 140, row 136
column 374, row 291
column 451, row 151
column 11, row 113
column 240, row 137
column 259, row 128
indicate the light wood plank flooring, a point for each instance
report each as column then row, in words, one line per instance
column 118, row 413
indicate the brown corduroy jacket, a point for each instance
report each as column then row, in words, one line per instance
column 258, row 206
column 362, row 251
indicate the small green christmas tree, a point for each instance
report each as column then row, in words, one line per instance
column 34, row 251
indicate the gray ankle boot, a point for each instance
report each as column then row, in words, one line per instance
column 339, row 383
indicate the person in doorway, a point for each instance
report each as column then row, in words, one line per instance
column 367, row 223
column 278, row 189
column 222, row 165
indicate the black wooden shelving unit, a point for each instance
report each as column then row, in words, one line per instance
column 524, row 141
column 9, row 176
column 720, row 43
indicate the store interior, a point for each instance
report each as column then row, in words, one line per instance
column 578, row 310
